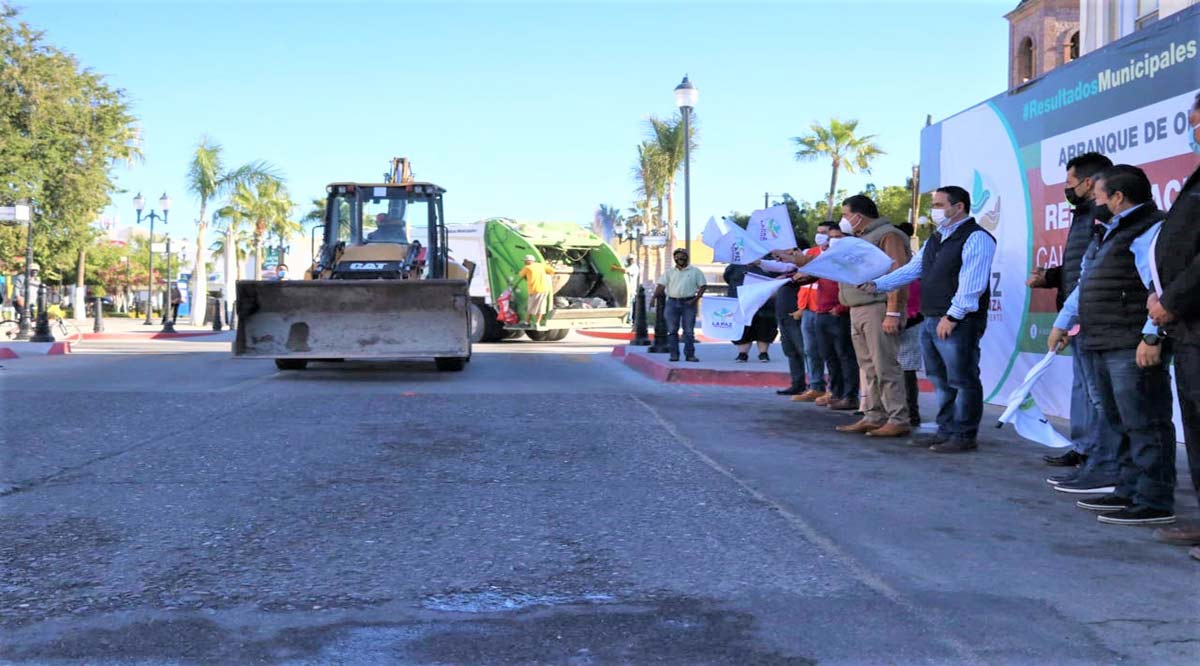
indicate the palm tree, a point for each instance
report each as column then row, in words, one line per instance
column 265, row 203
column 241, row 246
column 607, row 217
column 841, row 146
column 667, row 139
column 649, row 173
column 207, row 179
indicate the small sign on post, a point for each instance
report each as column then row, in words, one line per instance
column 12, row 214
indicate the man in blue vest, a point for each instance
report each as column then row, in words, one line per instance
column 1085, row 417
column 954, row 267
column 1130, row 352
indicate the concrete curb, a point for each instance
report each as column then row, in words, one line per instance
column 658, row 368
column 11, row 350
column 150, row 335
column 626, row 336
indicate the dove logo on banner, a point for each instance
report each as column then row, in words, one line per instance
column 772, row 227
column 720, row 318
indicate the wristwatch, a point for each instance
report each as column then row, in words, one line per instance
column 954, row 319
column 1151, row 339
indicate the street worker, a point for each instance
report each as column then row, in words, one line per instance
column 683, row 285
column 1085, row 414
column 876, row 322
column 1175, row 305
column 954, row 267
column 537, row 287
column 35, row 283
column 1131, row 355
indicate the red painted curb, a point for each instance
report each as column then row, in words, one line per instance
column 59, row 348
column 5, row 352
column 627, row 336
column 618, row 351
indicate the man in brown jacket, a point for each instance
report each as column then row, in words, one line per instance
column 876, row 322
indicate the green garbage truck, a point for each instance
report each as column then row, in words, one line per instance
column 590, row 286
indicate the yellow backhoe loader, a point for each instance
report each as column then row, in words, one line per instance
column 382, row 286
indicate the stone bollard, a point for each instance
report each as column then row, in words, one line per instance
column 217, row 306
column 660, row 345
column 98, row 324
column 41, row 332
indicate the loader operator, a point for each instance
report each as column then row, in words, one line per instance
column 389, row 230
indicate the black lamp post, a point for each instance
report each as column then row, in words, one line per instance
column 23, row 213
column 139, row 202
column 633, row 234
column 168, row 307
column 685, row 98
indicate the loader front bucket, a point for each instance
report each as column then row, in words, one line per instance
column 353, row 319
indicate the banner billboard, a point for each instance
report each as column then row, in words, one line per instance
column 1128, row 100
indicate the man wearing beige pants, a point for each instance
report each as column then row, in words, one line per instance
column 876, row 322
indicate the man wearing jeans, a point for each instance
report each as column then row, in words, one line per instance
column 683, row 285
column 806, row 310
column 1129, row 355
column 954, row 267
column 1085, row 417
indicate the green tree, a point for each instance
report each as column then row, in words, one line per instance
column 207, row 178
column 666, row 135
column 62, row 130
column 841, row 146
column 265, row 205
column 895, row 202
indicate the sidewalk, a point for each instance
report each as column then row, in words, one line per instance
column 115, row 328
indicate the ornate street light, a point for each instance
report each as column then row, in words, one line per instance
column 139, row 203
column 685, row 98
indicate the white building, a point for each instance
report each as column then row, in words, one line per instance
column 1105, row 21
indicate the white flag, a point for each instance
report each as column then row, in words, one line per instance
column 753, row 294
column 1026, row 416
column 736, row 247
column 720, row 318
column 714, row 230
column 850, row 260
column 772, row 228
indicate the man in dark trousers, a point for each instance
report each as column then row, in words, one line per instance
column 954, row 266
column 1081, row 180
column 1131, row 356
column 1175, row 305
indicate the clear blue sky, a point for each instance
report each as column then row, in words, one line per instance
column 528, row 110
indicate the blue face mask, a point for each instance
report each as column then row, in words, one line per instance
column 1192, row 143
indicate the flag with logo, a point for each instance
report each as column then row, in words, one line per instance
column 772, row 228
column 737, row 247
column 754, row 293
column 1025, row 415
column 714, row 230
column 721, row 318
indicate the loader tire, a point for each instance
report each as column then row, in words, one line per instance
column 450, row 363
column 290, row 364
column 559, row 334
column 484, row 325
column 553, row 335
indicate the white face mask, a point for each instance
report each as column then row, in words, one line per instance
column 832, row 241
column 821, row 239
column 938, row 216
column 846, row 227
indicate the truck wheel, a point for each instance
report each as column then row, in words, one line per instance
column 450, row 364
column 546, row 336
column 290, row 364
column 559, row 334
column 513, row 334
column 484, row 325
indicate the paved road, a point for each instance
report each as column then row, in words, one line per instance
column 163, row 503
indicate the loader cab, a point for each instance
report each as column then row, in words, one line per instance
column 384, row 231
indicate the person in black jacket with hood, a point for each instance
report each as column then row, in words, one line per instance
column 1175, row 305
column 1081, row 180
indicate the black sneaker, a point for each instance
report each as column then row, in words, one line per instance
column 692, row 359
column 1069, row 477
column 1086, row 487
column 742, row 358
column 763, row 357
column 791, row 390
column 1068, row 459
column 674, row 359
column 1138, row 515
column 1105, row 504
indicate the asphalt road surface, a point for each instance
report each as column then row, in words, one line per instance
column 163, row 503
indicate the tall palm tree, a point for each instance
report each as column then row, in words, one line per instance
column 649, row 174
column 838, row 143
column 240, row 240
column 265, row 204
column 207, row 179
column 667, row 137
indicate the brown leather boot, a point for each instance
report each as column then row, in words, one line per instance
column 823, row 401
column 891, row 430
column 842, row 405
column 1181, row 535
column 808, row 396
column 863, row 426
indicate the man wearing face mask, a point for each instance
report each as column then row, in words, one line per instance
column 683, row 285
column 1130, row 353
column 1175, row 305
column 876, row 321
column 1081, row 173
column 954, row 267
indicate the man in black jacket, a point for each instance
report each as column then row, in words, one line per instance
column 1176, row 306
column 1130, row 355
column 1081, row 180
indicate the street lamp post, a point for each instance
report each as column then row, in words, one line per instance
column 139, row 202
column 685, row 98
column 23, row 213
column 168, row 307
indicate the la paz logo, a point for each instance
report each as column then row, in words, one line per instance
column 722, row 318
column 769, row 229
column 985, row 207
column 738, row 250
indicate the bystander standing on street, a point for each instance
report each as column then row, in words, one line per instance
column 910, row 343
column 833, row 336
column 1086, row 421
column 791, row 336
column 35, row 283
column 762, row 327
column 1175, row 305
column 683, row 286
column 954, row 267
column 876, row 321
column 1131, row 359
column 806, row 309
